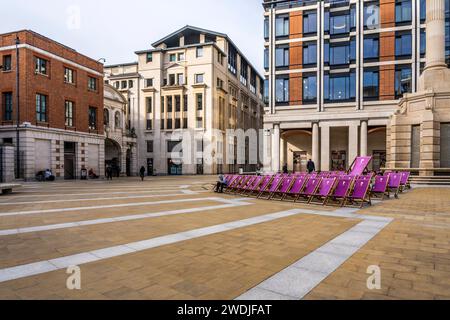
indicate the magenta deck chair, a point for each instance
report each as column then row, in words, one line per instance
column 271, row 188
column 341, row 191
column 394, row 183
column 262, row 186
column 239, row 184
column 297, row 186
column 253, row 185
column 359, row 165
column 324, row 190
column 232, row 183
column 284, row 187
column 245, row 182
column 310, row 188
column 249, row 184
column 404, row 183
column 380, row 187
column 360, row 194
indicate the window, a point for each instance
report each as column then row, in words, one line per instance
column 371, row 84
column 69, row 113
column 220, row 58
column 266, row 90
column 403, row 81
column 340, row 87
column 220, row 83
column 92, row 84
column 423, row 42
column 177, row 123
column 282, row 26
column 41, row 66
column 41, row 107
column 123, row 84
column 149, row 124
column 69, row 76
column 339, row 54
column 199, row 78
column 7, row 106
column 149, row 57
column 92, row 118
column 282, row 57
column 309, row 88
column 177, row 103
column 180, row 79
column 310, row 22
column 150, row 146
column 169, row 104
column 185, row 123
column 199, row 122
column 310, row 53
column 172, row 145
column 149, row 83
column 199, row 100
column 7, row 63
column 282, row 90
column 162, row 104
column 169, row 124
column 266, row 59
column 181, row 56
column 173, row 57
column 171, row 79
column 403, row 11
column 339, row 24
column 232, row 60
column 199, row 52
column 130, row 84
column 244, row 72
column 371, row 15
column 185, row 103
column 106, row 117
column 371, row 48
column 266, row 28
column 149, row 104
column 423, row 11
column 403, row 45
column 117, row 84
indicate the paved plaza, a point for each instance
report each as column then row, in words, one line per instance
column 172, row 238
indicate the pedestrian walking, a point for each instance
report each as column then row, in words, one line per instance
column 311, row 166
column 142, row 173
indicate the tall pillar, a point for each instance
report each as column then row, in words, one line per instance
column 364, row 150
column 325, row 149
column 315, row 144
column 352, row 143
column 435, row 34
column 276, row 148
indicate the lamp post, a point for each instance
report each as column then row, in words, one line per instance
column 18, row 111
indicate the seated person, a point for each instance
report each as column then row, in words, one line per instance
column 222, row 183
column 92, row 174
column 48, row 175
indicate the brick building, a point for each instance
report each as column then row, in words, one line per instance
column 336, row 71
column 60, row 105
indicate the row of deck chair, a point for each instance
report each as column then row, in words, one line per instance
column 340, row 190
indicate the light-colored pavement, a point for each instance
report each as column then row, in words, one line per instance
column 171, row 238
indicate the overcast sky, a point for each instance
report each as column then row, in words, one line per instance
column 114, row 29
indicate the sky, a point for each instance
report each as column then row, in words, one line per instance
column 115, row 29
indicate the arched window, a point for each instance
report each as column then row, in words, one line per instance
column 117, row 120
column 106, row 117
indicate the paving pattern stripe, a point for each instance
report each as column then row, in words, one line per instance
column 41, row 267
column 122, row 205
column 95, row 199
column 117, row 219
column 300, row 278
column 153, row 188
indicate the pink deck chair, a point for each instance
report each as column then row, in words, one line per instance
column 271, row 188
column 262, row 186
column 284, row 187
column 360, row 194
column 232, row 182
column 310, row 188
column 394, row 183
column 404, row 183
column 242, row 182
column 248, row 185
column 297, row 186
column 325, row 189
column 253, row 185
column 341, row 191
column 380, row 187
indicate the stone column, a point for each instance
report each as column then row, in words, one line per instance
column 276, row 148
column 352, row 143
column 435, row 34
column 315, row 144
column 284, row 151
column 325, row 149
column 364, row 150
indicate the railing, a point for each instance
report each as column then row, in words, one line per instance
column 416, row 171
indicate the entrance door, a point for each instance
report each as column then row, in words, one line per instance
column 300, row 161
column 69, row 160
column 150, row 167
column 338, row 160
column 175, row 169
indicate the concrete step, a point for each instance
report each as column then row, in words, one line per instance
column 434, row 180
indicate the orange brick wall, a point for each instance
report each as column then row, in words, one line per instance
column 296, row 57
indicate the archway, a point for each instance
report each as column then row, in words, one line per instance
column 113, row 156
column 296, row 149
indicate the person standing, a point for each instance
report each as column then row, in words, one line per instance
column 285, row 169
column 222, row 183
column 311, row 167
column 109, row 172
column 142, row 173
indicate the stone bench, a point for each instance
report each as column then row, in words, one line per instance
column 7, row 188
